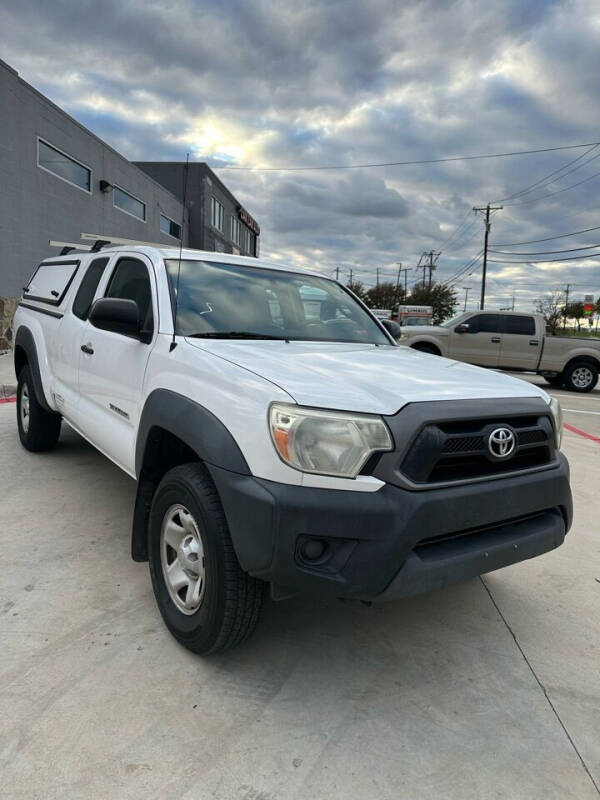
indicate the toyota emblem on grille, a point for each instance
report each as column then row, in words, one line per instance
column 501, row 442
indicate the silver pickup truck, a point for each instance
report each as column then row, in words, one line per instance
column 513, row 341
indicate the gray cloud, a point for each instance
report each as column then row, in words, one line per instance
column 343, row 82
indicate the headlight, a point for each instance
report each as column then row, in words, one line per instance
column 556, row 411
column 326, row 442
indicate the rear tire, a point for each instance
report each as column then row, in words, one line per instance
column 38, row 429
column 554, row 380
column 206, row 600
column 580, row 376
column 425, row 347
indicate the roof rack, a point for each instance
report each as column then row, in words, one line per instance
column 68, row 247
column 104, row 240
column 100, row 241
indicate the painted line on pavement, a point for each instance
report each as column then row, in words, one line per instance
column 579, row 432
column 8, row 399
column 579, row 411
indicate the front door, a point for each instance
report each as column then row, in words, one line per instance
column 112, row 366
column 480, row 343
column 520, row 346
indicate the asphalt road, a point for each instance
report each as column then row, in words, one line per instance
column 487, row 689
column 582, row 411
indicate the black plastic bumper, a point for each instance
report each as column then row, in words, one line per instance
column 393, row 542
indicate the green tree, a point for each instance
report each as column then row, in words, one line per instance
column 552, row 308
column 575, row 311
column 386, row 295
column 443, row 298
column 358, row 288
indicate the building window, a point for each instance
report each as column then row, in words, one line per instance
column 129, row 204
column 249, row 243
column 64, row 167
column 235, row 230
column 217, row 214
column 169, row 227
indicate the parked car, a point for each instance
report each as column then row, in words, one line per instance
column 279, row 436
column 512, row 341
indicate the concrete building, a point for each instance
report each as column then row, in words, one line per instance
column 58, row 179
column 216, row 219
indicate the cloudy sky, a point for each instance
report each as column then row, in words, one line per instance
column 267, row 83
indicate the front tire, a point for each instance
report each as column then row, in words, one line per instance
column 206, row 600
column 38, row 429
column 580, row 376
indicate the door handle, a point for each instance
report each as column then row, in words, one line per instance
column 88, row 349
column 533, row 342
column 495, row 339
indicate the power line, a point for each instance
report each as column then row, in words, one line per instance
column 545, row 260
column 530, row 188
column 463, row 270
column 456, row 230
column 547, row 239
column 408, row 163
column 545, row 252
column 558, row 191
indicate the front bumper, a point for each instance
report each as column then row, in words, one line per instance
column 393, row 542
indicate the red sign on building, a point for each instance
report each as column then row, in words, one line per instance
column 248, row 220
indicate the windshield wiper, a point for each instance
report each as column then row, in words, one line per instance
column 234, row 335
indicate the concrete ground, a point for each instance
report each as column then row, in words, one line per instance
column 483, row 690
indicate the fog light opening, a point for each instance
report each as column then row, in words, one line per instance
column 315, row 551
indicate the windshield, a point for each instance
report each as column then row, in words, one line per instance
column 233, row 301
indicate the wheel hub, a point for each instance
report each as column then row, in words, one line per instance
column 25, row 408
column 582, row 377
column 188, row 556
column 182, row 559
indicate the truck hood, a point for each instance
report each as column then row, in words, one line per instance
column 364, row 378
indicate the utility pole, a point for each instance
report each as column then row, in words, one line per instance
column 377, row 276
column 337, row 273
column 568, row 287
column 513, row 303
column 350, row 276
column 431, row 266
column 487, row 209
column 401, row 270
column 467, row 290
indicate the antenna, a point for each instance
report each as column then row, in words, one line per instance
column 173, row 344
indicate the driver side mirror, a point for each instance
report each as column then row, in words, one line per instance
column 392, row 328
column 116, row 314
column 462, row 328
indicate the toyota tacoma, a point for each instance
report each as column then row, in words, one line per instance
column 279, row 436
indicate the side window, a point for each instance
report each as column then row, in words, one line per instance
column 484, row 323
column 130, row 281
column 525, row 326
column 87, row 288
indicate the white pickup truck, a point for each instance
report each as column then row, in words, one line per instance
column 513, row 341
column 279, row 436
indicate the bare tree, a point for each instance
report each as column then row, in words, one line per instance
column 551, row 307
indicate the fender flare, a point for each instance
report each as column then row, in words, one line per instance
column 195, row 425
column 26, row 341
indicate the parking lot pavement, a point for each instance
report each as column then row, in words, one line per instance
column 581, row 411
column 482, row 690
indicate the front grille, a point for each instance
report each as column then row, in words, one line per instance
column 458, row 450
